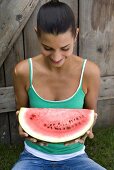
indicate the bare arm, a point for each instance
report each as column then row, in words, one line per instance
column 92, row 83
column 93, row 86
column 21, row 85
column 19, row 82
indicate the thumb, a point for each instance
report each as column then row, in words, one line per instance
column 90, row 134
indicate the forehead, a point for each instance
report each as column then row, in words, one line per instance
column 60, row 39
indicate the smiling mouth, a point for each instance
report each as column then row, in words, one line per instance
column 56, row 62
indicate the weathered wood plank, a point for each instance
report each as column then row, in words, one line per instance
column 105, row 113
column 31, row 44
column 7, row 99
column 4, row 128
column 107, row 87
column 2, row 80
column 96, row 33
column 4, row 123
column 16, row 54
column 14, row 132
column 13, row 21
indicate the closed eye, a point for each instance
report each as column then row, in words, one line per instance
column 65, row 49
column 48, row 49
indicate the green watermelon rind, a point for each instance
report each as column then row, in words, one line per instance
column 52, row 139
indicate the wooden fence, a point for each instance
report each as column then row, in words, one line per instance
column 18, row 41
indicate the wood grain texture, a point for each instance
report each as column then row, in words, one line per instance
column 96, row 33
column 105, row 113
column 16, row 54
column 107, row 88
column 4, row 119
column 7, row 99
column 17, row 13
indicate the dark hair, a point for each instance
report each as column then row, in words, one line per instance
column 56, row 17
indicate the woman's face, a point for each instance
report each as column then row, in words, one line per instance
column 57, row 48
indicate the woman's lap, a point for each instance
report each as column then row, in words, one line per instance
column 28, row 161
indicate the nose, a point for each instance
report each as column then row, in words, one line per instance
column 57, row 56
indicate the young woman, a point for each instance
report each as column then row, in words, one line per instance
column 56, row 78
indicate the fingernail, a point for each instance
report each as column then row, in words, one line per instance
column 66, row 144
column 35, row 140
column 76, row 140
column 42, row 144
column 88, row 132
column 81, row 141
column 26, row 135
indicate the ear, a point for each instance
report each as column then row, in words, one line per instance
column 77, row 32
column 36, row 30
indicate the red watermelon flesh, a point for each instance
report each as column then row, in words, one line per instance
column 56, row 125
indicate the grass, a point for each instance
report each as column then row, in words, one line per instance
column 100, row 149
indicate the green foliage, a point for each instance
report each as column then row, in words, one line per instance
column 100, row 149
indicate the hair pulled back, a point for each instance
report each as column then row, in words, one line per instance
column 56, row 17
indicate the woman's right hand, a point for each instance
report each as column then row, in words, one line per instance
column 23, row 134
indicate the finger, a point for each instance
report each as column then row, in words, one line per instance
column 90, row 134
column 95, row 118
column 83, row 138
column 22, row 133
column 43, row 143
column 32, row 139
column 95, row 115
column 71, row 142
column 17, row 112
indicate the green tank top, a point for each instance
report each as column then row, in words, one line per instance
column 75, row 101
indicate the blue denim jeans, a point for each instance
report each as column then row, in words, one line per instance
column 28, row 161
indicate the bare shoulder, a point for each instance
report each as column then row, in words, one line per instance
column 21, row 69
column 92, row 70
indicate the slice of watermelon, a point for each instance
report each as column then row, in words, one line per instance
column 56, row 125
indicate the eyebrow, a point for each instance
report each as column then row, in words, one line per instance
column 51, row 47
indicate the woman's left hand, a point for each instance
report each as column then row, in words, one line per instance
column 82, row 139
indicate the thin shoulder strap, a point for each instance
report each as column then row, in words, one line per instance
column 83, row 68
column 30, row 70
